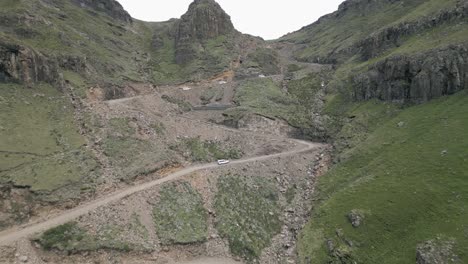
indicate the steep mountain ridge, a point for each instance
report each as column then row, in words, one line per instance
column 202, row 44
column 203, row 21
column 103, row 38
column 110, row 7
column 395, row 48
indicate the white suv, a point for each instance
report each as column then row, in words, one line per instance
column 223, row 162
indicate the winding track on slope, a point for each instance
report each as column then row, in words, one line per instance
column 10, row 236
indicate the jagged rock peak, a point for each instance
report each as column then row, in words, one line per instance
column 110, row 7
column 204, row 19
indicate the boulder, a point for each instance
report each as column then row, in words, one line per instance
column 356, row 218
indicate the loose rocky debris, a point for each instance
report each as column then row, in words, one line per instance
column 131, row 221
column 296, row 212
column 436, row 252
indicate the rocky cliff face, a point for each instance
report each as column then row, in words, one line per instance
column 21, row 64
column 385, row 31
column 392, row 37
column 204, row 20
column 415, row 78
column 388, row 37
column 110, row 7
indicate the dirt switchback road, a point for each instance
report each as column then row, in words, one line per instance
column 8, row 237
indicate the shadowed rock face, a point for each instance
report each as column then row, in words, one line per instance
column 110, row 7
column 416, row 78
column 20, row 64
column 204, row 20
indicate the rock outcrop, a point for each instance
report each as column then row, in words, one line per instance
column 111, row 7
column 391, row 37
column 415, row 78
column 21, row 64
column 204, row 20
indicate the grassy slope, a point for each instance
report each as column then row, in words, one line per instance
column 333, row 34
column 409, row 190
column 264, row 97
column 72, row 239
column 248, row 229
column 64, row 29
column 40, row 145
column 397, row 176
column 179, row 216
column 39, row 121
column 212, row 57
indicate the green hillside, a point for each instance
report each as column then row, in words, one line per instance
column 338, row 32
column 400, row 167
column 409, row 181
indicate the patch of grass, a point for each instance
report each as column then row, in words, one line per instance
column 41, row 146
column 208, row 95
column 32, row 124
column 51, row 173
column 267, row 60
column 410, row 176
column 110, row 237
column 71, row 238
column 121, row 125
column 134, row 157
column 351, row 123
column 159, row 128
column 179, row 215
column 78, row 83
column 68, row 237
column 10, row 5
column 264, row 97
column 233, row 115
column 138, row 227
column 199, row 151
column 427, row 8
column 119, row 149
column 291, row 193
column 248, row 213
column 183, row 105
column 305, row 89
column 293, row 68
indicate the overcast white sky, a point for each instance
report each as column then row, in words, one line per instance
column 269, row 19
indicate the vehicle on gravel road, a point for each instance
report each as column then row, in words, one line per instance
column 223, row 162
